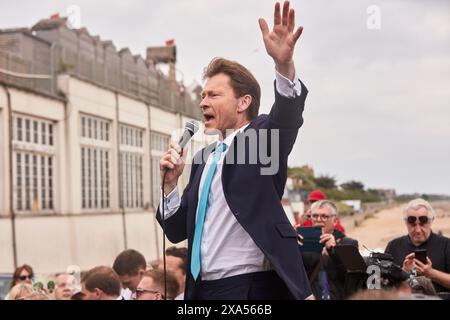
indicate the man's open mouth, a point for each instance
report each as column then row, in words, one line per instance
column 208, row 118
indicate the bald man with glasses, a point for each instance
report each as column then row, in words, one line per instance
column 419, row 216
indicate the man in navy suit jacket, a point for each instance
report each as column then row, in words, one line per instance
column 248, row 248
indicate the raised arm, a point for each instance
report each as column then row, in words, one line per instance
column 280, row 42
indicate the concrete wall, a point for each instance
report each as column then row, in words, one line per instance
column 71, row 236
column 6, row 252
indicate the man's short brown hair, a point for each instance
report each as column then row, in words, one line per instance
column 103, row 278
column 129, row 262
column 241, row 80
column 179, row 253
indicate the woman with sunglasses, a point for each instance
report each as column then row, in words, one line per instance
column 22, row 274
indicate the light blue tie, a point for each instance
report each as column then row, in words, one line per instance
column 201, row 212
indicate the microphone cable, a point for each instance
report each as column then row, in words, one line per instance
column 164, row 232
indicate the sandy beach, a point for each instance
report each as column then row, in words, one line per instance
column 378, row 229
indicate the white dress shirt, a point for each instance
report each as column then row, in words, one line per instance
column 226, row 248
column 125, row 294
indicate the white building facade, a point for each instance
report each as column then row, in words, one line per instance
column 80, row 157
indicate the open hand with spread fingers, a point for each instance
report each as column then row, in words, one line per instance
column 281, row 41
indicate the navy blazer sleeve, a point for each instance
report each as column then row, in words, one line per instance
column 286, row 115
column 176, row 227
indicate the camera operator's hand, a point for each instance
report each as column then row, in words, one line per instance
column 408, row 263
column 422, row 268
column 328, row 240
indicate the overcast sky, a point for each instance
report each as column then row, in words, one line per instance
column 378, row 110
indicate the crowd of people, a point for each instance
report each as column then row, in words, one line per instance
column 428, row 276
column 131, row 278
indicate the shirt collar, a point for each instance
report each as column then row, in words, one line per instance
column 230, row 137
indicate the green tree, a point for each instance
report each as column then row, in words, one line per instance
column 303, row 177
column 352, row 185
column 325, row 182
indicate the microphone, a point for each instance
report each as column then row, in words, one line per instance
column 190, row 128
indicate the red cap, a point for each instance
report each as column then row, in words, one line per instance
column 316, row 195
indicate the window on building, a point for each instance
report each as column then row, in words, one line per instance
column 95, row 183
column 156, row 181
column 159, row 146
column 19, row 129
column 27, row 130
column 95, row 163
column 35, row 131
column 131, row 168
column 160, row 141
column 33, row 164
column 44, row 133
column 94, row 128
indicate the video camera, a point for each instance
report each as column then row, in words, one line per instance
column 377, row 266
column 391, row 274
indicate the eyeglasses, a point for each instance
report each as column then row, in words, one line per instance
column 422, row 220
column 140, row 292
column 316, row 216
column 23, row 278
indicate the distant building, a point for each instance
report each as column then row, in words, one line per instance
column 83, row 127
column 354, row 204
column 292, row 201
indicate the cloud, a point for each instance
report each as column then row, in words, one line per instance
column 378, row 108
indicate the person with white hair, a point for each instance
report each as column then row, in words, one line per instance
column 419, row 216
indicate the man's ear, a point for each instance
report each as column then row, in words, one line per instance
column 244, row 103
column 98, row 293
column 334, row 220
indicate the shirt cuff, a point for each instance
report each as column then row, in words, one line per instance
column 286, row 87
column 171, row 203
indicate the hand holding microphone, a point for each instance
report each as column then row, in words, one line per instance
column 171, row 165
